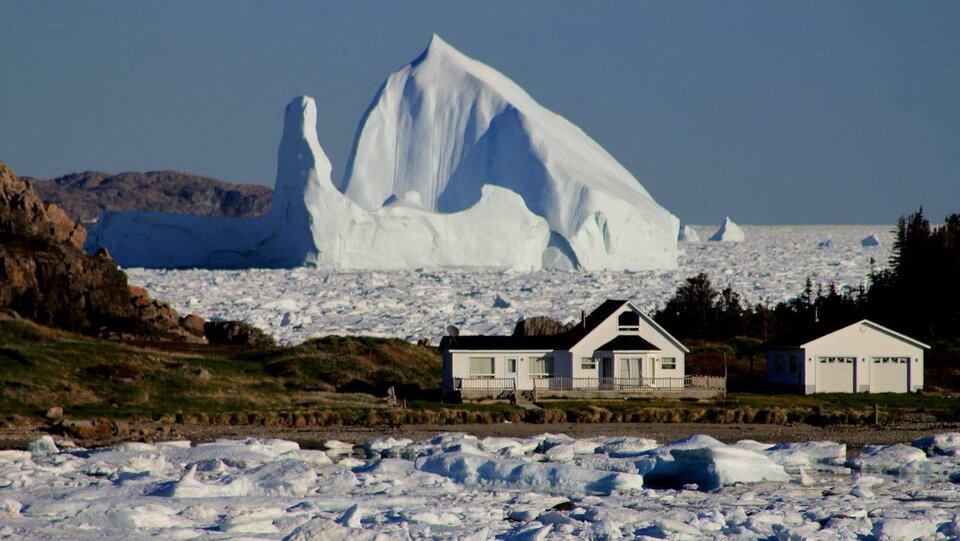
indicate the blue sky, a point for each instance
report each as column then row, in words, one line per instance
column 769, row 112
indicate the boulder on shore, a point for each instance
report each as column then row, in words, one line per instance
column 236, row 333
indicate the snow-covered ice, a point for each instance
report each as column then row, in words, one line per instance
column 456, row 486
column 295, row 304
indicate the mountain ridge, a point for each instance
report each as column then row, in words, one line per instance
column 85, row 195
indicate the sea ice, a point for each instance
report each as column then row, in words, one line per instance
column 808, row 454
column 714, row 466
column 940, row 444
column 892, row 459
column 476, row 470
column 266, row 492
column 769, row 266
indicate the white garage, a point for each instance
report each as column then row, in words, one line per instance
column 864, row 357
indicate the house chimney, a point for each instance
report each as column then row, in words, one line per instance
column 583, row 318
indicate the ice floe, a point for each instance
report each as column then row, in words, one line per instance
column 456, row 486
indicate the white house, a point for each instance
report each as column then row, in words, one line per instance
column 863, row 357
column 616, row 348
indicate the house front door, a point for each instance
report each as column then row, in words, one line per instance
column 606, row 372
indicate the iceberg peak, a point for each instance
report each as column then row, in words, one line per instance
column 446, row 125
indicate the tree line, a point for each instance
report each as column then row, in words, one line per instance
column 918, row 294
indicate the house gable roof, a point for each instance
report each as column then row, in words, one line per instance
column 562, row 341
column 800, row 340
column 512, row 343
column 628, row 343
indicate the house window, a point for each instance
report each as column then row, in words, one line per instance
column 778, row 362
column 793, row 363
column 836, row 360
column 511, row 366
column 891, row 360
column 629, row 321
column 588, row 363
column 541, row 367
column 668, row 363
column 630, row 367
column 481, row 367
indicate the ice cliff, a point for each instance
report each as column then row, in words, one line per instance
column 312, row 223
column 446, row 125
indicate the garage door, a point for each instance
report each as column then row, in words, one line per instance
column 835, row 374
column 889, row 374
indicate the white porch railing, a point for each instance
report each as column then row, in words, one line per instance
column 486, row 384
column 610, row 384
column 711, row 383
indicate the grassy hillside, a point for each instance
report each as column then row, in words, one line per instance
column 41, row 368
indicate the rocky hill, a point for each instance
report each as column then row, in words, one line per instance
column 85, row 195
column 46, row 277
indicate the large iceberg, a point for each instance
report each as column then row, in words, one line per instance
column 445, row 126
column 454, row 165
column 311, row 223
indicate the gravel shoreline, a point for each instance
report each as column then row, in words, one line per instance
column 854, row 437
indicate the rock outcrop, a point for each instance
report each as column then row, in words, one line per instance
column 46, row 277
column 540, row 326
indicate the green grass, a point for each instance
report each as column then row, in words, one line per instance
column 41, row 368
